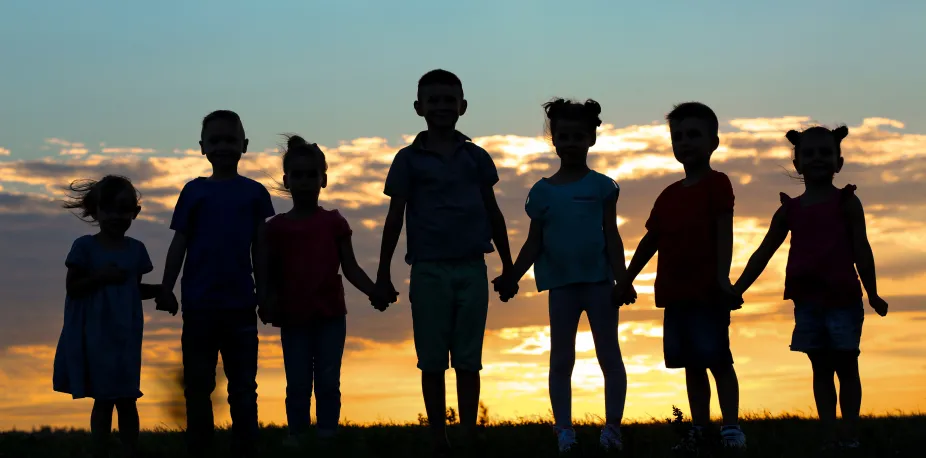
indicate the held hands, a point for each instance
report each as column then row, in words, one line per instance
column 505, row 286
column 385, row 293
column 267, row 308
column 729, row 294
column 878, row 304
column 623, row 293
column 166, row 301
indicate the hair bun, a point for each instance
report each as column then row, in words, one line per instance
column 840, row 133
column 794, row 137
column 592, row 107
column 295, row 141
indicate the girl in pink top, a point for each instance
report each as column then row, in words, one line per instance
column 828, row 243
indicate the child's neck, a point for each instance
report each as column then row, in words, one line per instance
column 818, row 188
column 303, row 207
column 695, row 172
column 440, row 138
column 110, row 240
column 222, row 174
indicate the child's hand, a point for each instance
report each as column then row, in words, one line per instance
column 166, row 301
column 505, row 287
column 385, row 291
column 623, row 294
column 880, row 305
column 112, row 274
column 267, row 309
column 730, row 295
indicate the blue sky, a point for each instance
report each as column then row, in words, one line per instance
column 143, row 73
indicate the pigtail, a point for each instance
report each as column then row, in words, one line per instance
column 840, row 133
column 794, row 137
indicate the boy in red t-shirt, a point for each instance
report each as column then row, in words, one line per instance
column 691, row 226
column 306, row 248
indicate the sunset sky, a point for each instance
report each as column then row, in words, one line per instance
column 111, row 87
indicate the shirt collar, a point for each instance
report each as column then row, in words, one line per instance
column 421, row 138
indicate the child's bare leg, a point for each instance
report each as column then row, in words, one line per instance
column 468, row 387
column 699, row 396
column 435, row 403
column 128, row 425
column 850, row 390
column 101, row 426
column 728, row 393
column 824, row 391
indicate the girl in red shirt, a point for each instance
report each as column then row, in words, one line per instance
column 307, row 246
column 828, row 243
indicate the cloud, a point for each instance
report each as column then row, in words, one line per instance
column 128, row 150
column 68, row 148
column 4, row 152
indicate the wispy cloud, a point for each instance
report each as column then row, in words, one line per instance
column 127, row 150
column 68, row 148
column 4, row 152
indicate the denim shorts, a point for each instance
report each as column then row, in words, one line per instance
column 827, row 328
column 696, row 336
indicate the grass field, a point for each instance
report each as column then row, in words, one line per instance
column 789, row 437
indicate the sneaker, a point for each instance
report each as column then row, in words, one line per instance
column 692, row 442
column 611, row 438
column 732, row 437
column 566, row 439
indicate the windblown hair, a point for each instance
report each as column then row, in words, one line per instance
column 87, row 196
column 294, row 147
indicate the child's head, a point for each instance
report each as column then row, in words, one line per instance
column 304, row 168
column 572, row 127
column 695, row 133
column 440, row 99
column 817, row 152
column 222, row 139
column 111, row 202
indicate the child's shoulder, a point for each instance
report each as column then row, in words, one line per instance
column 83, row 242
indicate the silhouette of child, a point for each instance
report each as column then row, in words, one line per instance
column 215, row 225
column 445, row 181
column 691, row 226
column 306, row 247
column 99, row 351
column 828, row 242
column 577, row 252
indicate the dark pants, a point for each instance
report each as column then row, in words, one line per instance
column 233, row 333
column 314, row 353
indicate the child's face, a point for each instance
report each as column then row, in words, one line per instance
column 116, row 217
column 816, row 158
column 572, row 140
column 305, row 177
column 692, row 141
column 441, row 105
column 223, row 143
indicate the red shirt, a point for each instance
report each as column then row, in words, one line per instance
column 305, row 264
column 685, row 220
column 821, row 265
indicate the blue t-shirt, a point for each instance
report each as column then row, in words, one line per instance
column 445, row 214
column 574, row 249
column 219, row 219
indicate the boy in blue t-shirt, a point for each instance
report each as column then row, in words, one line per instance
column 215, row 224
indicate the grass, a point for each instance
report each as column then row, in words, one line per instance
column 791, row 437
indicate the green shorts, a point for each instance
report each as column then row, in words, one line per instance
column 450, row 302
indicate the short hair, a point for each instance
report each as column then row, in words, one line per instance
column 440, row 76
column 559, row 108
column 695, row 110
column 838, row 135
column 223, row 115
column 88, row 195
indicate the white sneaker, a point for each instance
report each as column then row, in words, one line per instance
column 566, row 439
column 611, row 438
column 732, row 437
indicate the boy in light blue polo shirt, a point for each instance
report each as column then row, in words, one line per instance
column 443, row 185
column 577, row 254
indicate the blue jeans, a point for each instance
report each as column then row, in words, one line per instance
column 314, row 353
column 566, row 306
column 233, row 333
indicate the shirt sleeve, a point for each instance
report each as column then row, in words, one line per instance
column 180, row 221
column 398, row 180
column 264, row 204
column 536, row 204
column 721, row 195
column 652, row 223
column 609, row 188
column 488, row 173
column 341, row 226
column 144, row 261
column 78, row 257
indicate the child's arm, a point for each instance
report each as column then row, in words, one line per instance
column 499, row 229
column 612, row 238
column 645, row 251
column 724, row 247
column 777, row 233
column 148, row 291
column 259, row 254
column 392, row 229
column 352, row 271
column 80, row 282
column 529, row 252
column 864, row 258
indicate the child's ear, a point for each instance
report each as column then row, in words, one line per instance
column 715, row 143
column 201, row 150
column 324, row 180
column 285, row 181
column 463, row 105
column 138, row 210
column 244, row 147
column 418, row 110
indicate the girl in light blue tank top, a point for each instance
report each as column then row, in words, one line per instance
column 99, row 351
column 577, row 254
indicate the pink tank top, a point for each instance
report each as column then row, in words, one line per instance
column 821, row 265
